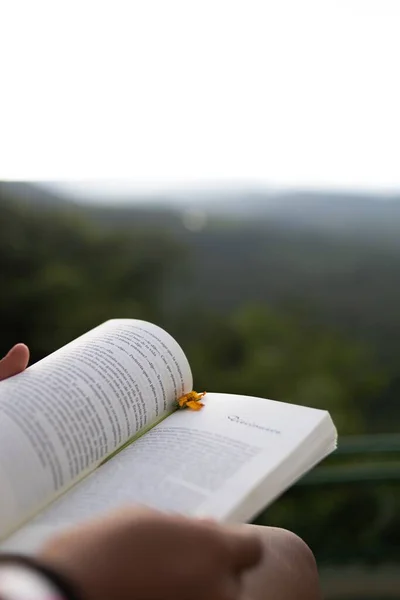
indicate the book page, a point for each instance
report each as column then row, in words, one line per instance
column 207, row 463
column 64, row 415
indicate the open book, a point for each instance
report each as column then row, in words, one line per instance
column 94, row 426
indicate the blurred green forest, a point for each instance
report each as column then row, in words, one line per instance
column 303, row 314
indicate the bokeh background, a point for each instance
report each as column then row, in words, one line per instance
column 228, row 169
column 292, row 295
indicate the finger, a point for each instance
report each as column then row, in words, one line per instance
column 231, row 588
column 246, row 548
column 15, row 361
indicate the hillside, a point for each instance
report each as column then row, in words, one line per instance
column 334, row 257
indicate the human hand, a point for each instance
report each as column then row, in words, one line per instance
column 141, row 553
column 14, row 362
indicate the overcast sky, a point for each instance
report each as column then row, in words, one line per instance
column 164, row 93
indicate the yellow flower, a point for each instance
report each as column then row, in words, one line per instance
column 191, row 400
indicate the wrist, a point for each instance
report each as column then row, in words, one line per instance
column 25, row 578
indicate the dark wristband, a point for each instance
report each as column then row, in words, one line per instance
column 65, row 588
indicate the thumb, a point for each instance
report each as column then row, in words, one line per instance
column 246, row 548
column 15, row 361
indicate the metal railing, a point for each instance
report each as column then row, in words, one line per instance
column 368, row 447
column 368, row 460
